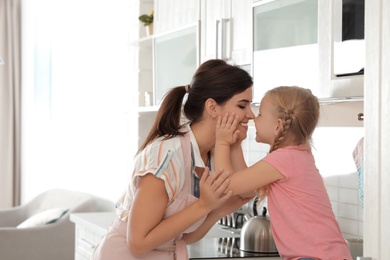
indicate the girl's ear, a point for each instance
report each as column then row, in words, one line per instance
column 278, row 126
column 211, row 107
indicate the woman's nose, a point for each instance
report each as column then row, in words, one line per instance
column 250, row 114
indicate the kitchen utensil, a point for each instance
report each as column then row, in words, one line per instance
column 256, row 235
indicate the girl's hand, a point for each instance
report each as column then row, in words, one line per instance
column 213, row 189
column 226, row 130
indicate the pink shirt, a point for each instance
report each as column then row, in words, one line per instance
column 302, row 220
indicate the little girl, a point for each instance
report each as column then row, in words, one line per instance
column 302, row 220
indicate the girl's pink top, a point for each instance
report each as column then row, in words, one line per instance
column 302, row 220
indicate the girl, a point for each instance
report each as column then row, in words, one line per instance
column 302, row 220
column 160, row 212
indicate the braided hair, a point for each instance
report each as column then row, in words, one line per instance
column 299, row 111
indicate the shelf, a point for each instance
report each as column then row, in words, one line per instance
column 329, row 101
column 142, row 41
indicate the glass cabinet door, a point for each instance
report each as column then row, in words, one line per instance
column 285, row 23
column 285, row 45
column 348, row 35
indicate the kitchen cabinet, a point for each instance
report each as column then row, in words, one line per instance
column 285, row 45
column 225, row 25
column 226, row 30
column 172, row 14
column 295, row 43
column 90, row 228
column 377, row 129
column 330, row 85
column 159, row 58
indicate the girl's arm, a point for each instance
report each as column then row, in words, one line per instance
column 237, row 156
column 147, row 230
column 245, row 181
column 226, row 136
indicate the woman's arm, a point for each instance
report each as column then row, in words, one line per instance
column 231, row 205
column 148, row 230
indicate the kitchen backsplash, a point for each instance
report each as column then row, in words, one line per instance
column 342, row 188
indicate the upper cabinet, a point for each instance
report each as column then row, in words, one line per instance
column 341, row 48
column 300, row 42
column 173, row 14
column 226, row 30
column 285, row 44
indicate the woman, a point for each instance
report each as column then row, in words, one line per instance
column 161, row 211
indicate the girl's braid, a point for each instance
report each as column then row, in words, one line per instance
column 287, row 119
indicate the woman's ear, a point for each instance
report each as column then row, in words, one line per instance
column 211, row 107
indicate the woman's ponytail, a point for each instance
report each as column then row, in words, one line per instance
column 168, row 119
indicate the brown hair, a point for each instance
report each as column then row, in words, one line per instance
column 213, row 79
column 299, row 110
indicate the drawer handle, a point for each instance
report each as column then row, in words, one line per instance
column 86, row 244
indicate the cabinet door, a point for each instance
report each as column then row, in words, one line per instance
column 241, row 28
column 330, row 36
column 285, row 45
column 212, row 14
column 172, row 14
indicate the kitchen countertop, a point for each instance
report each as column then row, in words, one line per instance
column 219, row 243
column 222, row 243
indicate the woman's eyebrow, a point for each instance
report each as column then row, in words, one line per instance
column 245, row 100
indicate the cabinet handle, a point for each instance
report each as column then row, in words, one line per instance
column 225, row 39
column 86, row 244
column 216, row 38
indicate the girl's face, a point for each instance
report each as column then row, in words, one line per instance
column 266, row 122
column 240, row 105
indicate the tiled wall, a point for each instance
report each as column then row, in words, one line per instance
column 342, row 189
column 343, row 194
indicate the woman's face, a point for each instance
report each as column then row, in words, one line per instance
column 240, row 105
column 266, row 122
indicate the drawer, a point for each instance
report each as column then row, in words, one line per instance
column 86, row 241
column 78, row 256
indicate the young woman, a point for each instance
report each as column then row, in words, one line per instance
column 160, row 212
column 302, row 220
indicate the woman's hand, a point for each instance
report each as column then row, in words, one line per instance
column 213, row 189
column 232, row 204
column 226, row 130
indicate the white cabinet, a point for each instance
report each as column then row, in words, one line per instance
column 226, row 30
column 225, row 25
column 90, row 228
column 241, row 51
column 172, row 14
column 295, row 43
column 329, row 24
column 285, row 45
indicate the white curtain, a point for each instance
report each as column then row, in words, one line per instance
column 10, row 103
